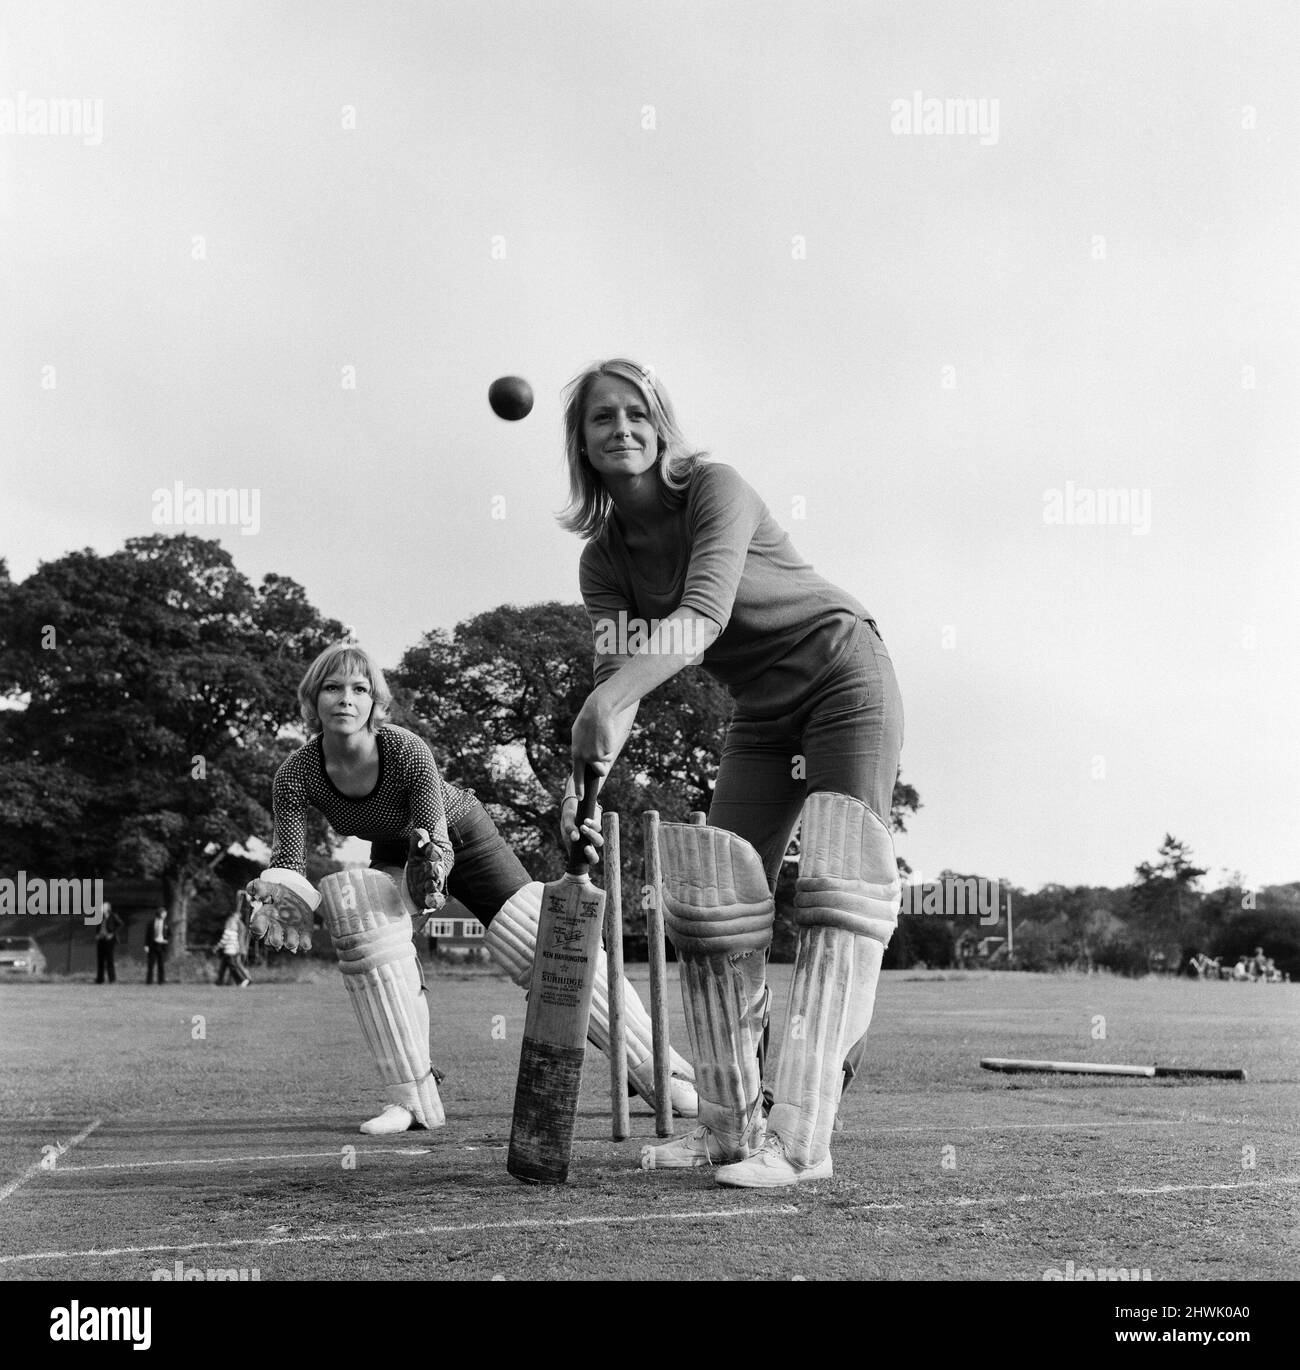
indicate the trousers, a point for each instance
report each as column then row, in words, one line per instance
column 846, row 737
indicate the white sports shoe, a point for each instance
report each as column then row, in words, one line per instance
column 769, row 1168
column 700, row 1147
column 394, row 1118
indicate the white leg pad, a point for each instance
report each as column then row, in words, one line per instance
column 511, row 937
column 397, row 874
column 512, row 940
column 715, row 891
column 639, row 1040
column 719, row 912
column 848, row 875
column 831, row 1001
column 371, row 930
column 847, row 897
column 726, row 1006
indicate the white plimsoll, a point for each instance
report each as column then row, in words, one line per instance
column 392, row 1120
column 512, row 940
column 699, row 1147
column 371, row 930
column 718, row 911
column 847, row 897
column 770, row 1168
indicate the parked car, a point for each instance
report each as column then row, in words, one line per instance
column 21, row 956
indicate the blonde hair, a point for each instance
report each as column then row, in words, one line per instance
column 589, row 502
column 343, row 659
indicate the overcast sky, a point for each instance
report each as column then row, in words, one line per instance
column 933, row 336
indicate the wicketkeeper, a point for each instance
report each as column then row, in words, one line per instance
column 377, row 781
column 687, row 549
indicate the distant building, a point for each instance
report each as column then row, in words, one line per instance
column 992, row 948
column 455, row 929
column 970, row 950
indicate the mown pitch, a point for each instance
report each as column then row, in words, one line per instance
column 195, row 1127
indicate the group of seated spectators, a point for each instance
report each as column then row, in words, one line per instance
column 1256, row 968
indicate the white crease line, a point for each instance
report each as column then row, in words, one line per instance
column 399, row 1234
column 183, row 1162
column 425, row 1151
column 37, row 1166
column 1074, row 1194
column 244, row 1160
column 1024, row 1127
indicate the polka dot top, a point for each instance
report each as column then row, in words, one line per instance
column 410, row 793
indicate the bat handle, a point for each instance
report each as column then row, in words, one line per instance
column 586, row 813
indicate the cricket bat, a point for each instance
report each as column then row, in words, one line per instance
column 1100, row 1068
column 559, row 1005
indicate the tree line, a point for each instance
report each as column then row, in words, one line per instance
column 150, row 695
column 1157, row 923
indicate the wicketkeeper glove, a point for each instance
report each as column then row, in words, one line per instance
column 283, row 903
column 426, row 878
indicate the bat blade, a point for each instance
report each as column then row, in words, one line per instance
column 1064, row 1067
column 555, row 1030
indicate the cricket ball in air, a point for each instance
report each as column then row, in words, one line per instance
column 511, row 397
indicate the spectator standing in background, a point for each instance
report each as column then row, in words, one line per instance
column 110, row 926
column 156, row 939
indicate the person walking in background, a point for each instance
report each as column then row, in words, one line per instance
column 231, row 949
column 156, row 939
column 110, row 927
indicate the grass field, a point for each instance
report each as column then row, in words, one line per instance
column 217, row 1128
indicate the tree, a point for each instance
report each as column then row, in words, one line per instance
column 1081, row 917
column 1164, row 904
column 928, row 940
column 147, row 690
column 1239, row 919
